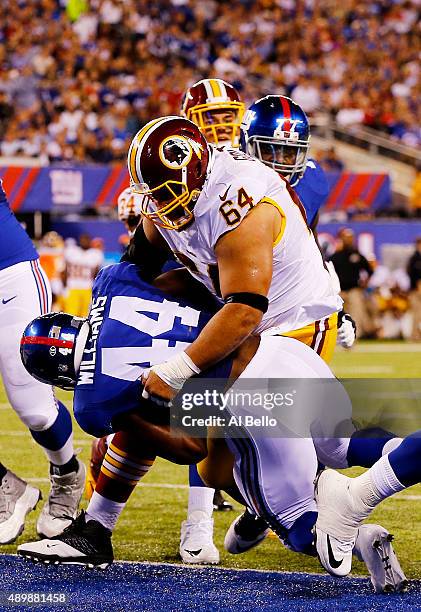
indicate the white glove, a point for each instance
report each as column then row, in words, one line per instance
column 346, row 330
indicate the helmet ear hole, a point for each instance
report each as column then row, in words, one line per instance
column 198, row 169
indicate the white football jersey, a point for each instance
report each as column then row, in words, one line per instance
column 81, row 266
column 301, row 291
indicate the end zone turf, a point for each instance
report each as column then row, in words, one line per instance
column 156, row 587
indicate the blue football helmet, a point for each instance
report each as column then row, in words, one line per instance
column 276, row 131
column 49, row 351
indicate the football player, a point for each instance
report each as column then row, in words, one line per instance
column 82, row 262
column 255, row 230
column 129, row 210
column 244, row 250
column 276, row 130
column 130, row 325
column 216, row 108
column 25, row 293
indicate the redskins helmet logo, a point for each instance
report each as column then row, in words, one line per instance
column 175, row 152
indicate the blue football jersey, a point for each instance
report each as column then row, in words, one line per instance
column 15, row 244
column 133, row 326
column 312, row 189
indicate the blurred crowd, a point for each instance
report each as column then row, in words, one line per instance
column 384, row 303
column 79, row 77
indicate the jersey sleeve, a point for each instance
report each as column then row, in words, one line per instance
column 236, row 199
column 318, row 180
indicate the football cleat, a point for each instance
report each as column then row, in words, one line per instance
column 220, row 504
column 196, row 542
column 63, row 502
column 99, row 449
column 81, row 543
column 340, row 514
column 245, row 532
column 17, row 499
column 374, row 547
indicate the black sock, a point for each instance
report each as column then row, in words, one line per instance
column 61, row 470
column 3, row 471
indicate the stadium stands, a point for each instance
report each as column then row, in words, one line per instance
column 78, row 78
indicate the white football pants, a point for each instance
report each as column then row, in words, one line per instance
column 275, row 465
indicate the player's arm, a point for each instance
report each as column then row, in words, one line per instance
column 245, row 259
column 147, row 250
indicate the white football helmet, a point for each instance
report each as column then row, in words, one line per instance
column 129, row 209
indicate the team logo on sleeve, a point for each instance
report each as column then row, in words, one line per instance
column 175, row 152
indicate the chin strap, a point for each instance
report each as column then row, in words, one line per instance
column 80, row 345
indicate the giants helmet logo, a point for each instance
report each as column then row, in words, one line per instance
column 286, row 129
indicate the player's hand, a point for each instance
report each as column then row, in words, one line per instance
column 347, row 330
column 156, row 390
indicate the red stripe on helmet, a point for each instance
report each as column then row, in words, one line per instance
column 47, row 341
column 287, row 112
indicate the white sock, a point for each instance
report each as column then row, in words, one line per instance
column 377, row 483
column 391, row 445
column 384, row 478
column 201, row 499
column 63, row 455
column 103, row 510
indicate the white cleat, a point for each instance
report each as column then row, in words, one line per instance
column 340, row 514
column 62, row 504
column 244, row 533
column 17, row 499
column 196, row 542
column 374, row 547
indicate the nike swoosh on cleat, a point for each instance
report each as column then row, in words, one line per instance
column 193, row 553
column 332, row 561
column 9, row 300
column 51, row 545
column 222, row 198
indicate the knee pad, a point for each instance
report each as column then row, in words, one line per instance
column 37, row 409
column 57, row 434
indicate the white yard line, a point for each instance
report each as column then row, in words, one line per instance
column 151, row 485
column 407, row 347
column 166, row 485
column 365, row 369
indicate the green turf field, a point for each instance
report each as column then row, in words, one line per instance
column 149, row 527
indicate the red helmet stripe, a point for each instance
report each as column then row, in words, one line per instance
column 47, row 341
column 287, row 112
